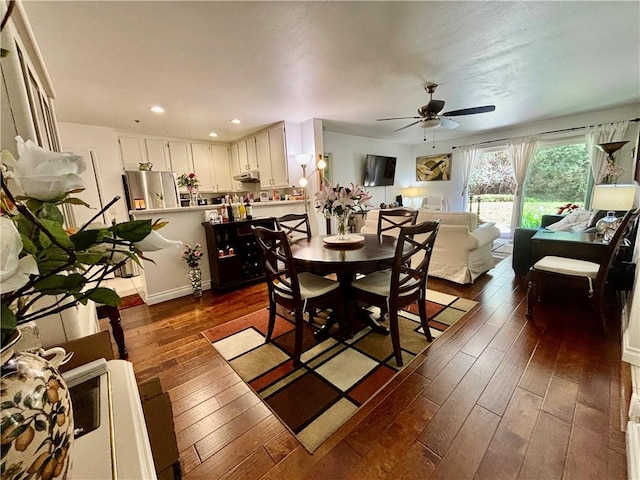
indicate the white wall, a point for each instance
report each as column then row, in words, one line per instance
column 79, row 139
column 348, row 153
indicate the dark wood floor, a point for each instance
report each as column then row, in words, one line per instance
column 496, row 397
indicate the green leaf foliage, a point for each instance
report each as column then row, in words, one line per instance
column 86, row 238
column 76, row 201
column 51, row 212
column 103, row 295
column 8, row 319
column 58, row 232
column 134, row 231
column 58, row 284
column 52, row 259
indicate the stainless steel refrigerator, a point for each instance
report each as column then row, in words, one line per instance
column 147, row 190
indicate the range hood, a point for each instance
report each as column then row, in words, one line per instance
column 252, row 176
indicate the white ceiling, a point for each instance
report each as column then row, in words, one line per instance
column 347, row 63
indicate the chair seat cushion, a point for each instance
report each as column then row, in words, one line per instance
column 567, row 266
column 312, row 286
column 378, row 283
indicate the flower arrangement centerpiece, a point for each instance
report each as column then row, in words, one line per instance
column 46, row 268
column 191, row 183
column 340, row 202
column 193, row 255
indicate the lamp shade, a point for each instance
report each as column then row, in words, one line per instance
column 303, row 159
column 613, row 197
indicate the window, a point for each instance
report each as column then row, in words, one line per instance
column 558, row 175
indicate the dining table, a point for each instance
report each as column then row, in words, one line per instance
column 361, row 254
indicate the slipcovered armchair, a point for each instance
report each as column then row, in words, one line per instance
column 462, row 251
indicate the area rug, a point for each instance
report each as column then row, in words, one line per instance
column 502, row 248
column 338, row 375
column 130, row 301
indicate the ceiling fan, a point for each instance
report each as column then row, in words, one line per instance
column 430, row 116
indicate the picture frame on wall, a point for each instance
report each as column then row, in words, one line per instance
column 433, row 167
column 264, row 196
column 326, row 174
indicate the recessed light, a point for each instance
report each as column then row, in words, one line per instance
column 157, row 109
column 235, row 120
column 213, row 134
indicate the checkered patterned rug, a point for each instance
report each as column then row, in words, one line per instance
column 338, row 375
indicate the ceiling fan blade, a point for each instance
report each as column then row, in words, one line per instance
column 470, row 111
column 448, row 123
column 435, row 106
column 394, row 118
column 407, row 126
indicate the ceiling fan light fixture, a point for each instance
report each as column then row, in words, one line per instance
column 430, row 123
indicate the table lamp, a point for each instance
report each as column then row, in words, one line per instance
column 611, row 198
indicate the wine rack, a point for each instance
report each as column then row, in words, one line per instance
column 234, row 256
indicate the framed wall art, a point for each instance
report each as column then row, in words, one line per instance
column 433, row 167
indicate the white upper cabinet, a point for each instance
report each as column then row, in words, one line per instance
column 181, row 159
column 221, row 170
column 252, row 157
column 203, row 165
column 278, row 152
column 157, row 154
column 132, row 152
column 243, row 159
column 234, row 160
column 271, row 151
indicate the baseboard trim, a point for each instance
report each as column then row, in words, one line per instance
column 167, row 295
column 629, row 354
column 633, row 451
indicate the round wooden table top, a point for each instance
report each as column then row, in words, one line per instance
column 374, row 253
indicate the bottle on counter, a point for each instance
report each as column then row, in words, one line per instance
column 224, row 214
column 230, row 213
column 236, row 211
column 243, row 211
column 249, row 209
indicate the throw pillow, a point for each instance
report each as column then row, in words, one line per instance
column 576, row 221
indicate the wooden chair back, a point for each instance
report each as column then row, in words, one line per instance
column 295, row 226
column 392, row 218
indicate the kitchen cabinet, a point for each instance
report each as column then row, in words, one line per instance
column 203, row 165
column 137, row 150
column 181, row 158
column 221, row 170
column 234, row 160
column 233, row 254
column 157, row 154
column 211, row 165
column 272, row 158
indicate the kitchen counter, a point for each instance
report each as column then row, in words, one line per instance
column 261, row 205
column 167, row 276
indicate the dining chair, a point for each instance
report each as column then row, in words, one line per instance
column 594, row 274
column 295, row 225
column 296, row 292
column 406, row 281
column 391, row 218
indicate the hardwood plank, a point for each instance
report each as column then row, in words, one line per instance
column 442, row 386
column 476, row 345
column 237, row 451
column 617, row 466
column 444, row 426
column 230, row 431
column 505, row 454
column 384, row 455
column 201, row 381
column 498, row 393
column 560, row 399
column 369, row 430
column 418, row 464
column 334, row 464
column 196, row 396
column 254, row 466
column 571, row 356
column 467, row 449
column 197, row 431
column 281, row 446
column 189, row 459
column 587, row 456
column 547, row 449
column 538, row 373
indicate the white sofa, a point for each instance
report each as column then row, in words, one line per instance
column 462, row 251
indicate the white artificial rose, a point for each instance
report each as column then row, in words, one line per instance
column 154, row 241
column 14, row 271
column 44, row 175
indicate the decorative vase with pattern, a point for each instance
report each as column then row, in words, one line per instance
column 37, row 417
column 195, row 276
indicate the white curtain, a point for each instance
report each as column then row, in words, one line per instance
column 468, row 156
column 521, row 151
column 613, row 132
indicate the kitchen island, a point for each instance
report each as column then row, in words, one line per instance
column 166, row 277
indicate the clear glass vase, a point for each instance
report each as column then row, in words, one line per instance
column 342, row 224
column 195, row 276
column 193, row 198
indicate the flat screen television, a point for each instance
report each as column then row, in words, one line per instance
column 379, row 170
